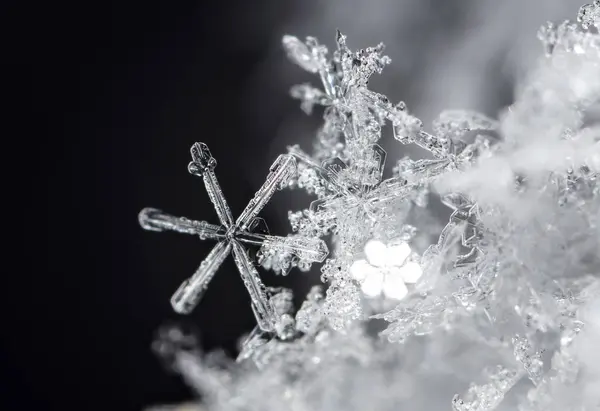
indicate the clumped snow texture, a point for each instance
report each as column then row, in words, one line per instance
column 506, row 312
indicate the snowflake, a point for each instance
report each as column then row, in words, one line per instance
column 386, row 270
column 351, row 106
column 360, row 200
column 231, row 235
column 517, row 260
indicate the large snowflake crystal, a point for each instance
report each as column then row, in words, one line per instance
column 501, row 304
column 247, row 229
column 360, row 197
column 354, row 200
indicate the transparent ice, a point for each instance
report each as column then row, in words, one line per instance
column 500, row 311
column 247, row 229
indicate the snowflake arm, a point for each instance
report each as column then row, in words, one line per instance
column 190, row 292
column 308, row 249
column 281, row 170
column 203, row 165
column 260, row 302
column 248, row 229
column 152, row 219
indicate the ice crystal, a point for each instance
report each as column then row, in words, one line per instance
column 589, row 15
column 487, row 397
column 248, row 229
column 509, row 285
column 531, row 360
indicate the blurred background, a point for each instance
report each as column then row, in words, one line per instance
column 114, row 95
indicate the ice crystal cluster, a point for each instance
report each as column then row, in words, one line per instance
column 497, row 309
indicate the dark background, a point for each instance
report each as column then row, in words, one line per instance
column 120, row 93
column 106, row 100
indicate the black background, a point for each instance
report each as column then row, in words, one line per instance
column 113, row 97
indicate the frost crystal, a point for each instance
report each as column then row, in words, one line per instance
column 500, row 304
column 247, row 229
column 487, row 397
column 589, row 15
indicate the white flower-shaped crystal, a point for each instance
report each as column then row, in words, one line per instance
column 386, row 270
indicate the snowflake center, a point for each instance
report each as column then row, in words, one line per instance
column 231, row 233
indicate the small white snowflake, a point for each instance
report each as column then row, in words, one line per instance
column 386, row 270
